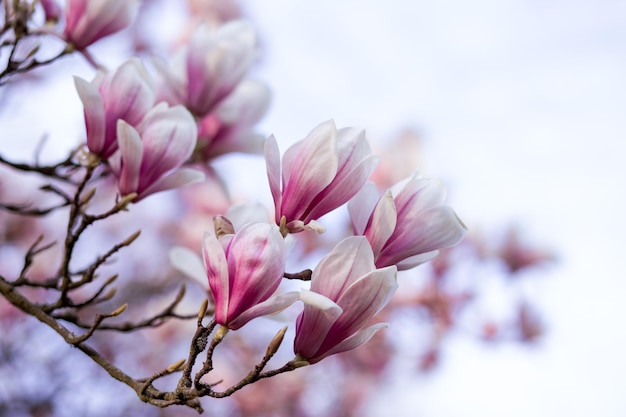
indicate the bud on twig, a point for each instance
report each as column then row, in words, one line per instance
column 176, row 366
column 130, row 239
column 87, row 197
column 275, row 343
column 202, row 311
column 119, row 310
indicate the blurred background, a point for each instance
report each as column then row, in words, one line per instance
column 518, row 106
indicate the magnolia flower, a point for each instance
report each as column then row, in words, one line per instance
column 152, row 153
column 126, row 94
column 210, row 68
column 408, row 224
column 346, row 292
column 88, row 21
column 244, row 270
column 319, row 174
column 229, row 127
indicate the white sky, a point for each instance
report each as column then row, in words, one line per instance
column 521, row 104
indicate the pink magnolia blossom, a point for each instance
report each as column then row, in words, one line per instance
column 210, row 68
column 126, row 94
column 319, row 174
column 346, row 292
column 152, row 153
column 88, row 21
column 230, row 127
column 244, row 270
column 408, row 224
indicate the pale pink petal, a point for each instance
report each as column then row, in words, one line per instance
column 176, row 179
column 361, row 207
column 94, row 114
column 413, row 261
column 273, row 305
column 383, row 222
column 272, row 163
column 350, row 259
column 352, row 342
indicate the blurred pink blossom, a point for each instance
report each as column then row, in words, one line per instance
column 126, row 94
column 88, row 21
column 152, row 153
column 244, row 270
column 408, row 224
column 346, row 292
column 207, row 70
column 319, row 174
column 230, row 127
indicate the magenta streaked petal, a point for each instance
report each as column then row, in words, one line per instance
column 131, row 152
column 256, row 263
column 315, row 167
column 217, row 273
column 419, row 194
column 318, row 316
column 130, row 94
column 273, row 305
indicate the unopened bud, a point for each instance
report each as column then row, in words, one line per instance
column 275, row 343
column 222, row 226
column 176, row 366
column 202, row 311
column 88, row 196
column 130, row 239
column 126, row 200
column 119, row 310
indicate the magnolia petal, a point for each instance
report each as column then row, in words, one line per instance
column 352, row 342
column 383, row 222
column 355, row 164
column 413, row 261
column 361, row 207
column 313, row 323
column 94, row 114
column 180, row 178
column 256, row 263
column 272, row 163
column 273, row 305
column 312, row 169
column 419, row 194
column 436, row 228
column 217, row 274
column 169, row 135
column 364, row 299
column 189, row 263
column 131, row 152
column 351, row 259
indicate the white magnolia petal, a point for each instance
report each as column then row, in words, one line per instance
column 189, row 263
column 273, row 305
column 361, row 207
column 182, row 177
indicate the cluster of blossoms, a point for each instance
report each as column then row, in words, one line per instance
column 154, row 131
column 199, row 107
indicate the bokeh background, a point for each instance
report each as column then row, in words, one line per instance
column 520, row 104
